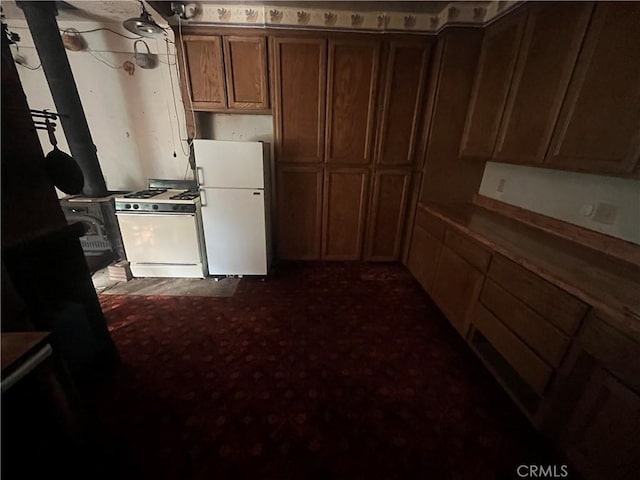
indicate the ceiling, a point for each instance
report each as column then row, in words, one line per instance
column 83, row 10
column 117, row 11
column 399, row 6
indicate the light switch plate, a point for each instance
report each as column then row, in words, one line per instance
column 605, row 213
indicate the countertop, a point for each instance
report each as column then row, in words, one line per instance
column 606, row 283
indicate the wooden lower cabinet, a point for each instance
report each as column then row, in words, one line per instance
column 299, row 212
column 387, row 215
column 344, row 212
column 456, row 287
column 529, row 367
column 570, row 368
column 602, row 435
column 423, row 257
column 323, row 213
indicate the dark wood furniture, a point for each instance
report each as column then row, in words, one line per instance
column 42, row 424
column 553, row 320
column 224, row 73
column 350, row 130
column 371, row 124
column 557, row 86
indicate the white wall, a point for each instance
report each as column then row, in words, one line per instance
column 568, row 196
column 132, row 119
column 248, row 128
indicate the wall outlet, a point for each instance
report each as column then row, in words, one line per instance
column 586, row 210
column 605, row 213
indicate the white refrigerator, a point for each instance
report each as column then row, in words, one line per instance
column 234, row 180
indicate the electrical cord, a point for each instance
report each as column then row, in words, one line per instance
column 103, row 28
column 184, row 62
column 20, row 60
column 175, row 107
column 95, row 55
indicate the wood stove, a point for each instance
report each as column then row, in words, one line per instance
column 102, row 237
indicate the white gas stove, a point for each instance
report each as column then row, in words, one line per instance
column 161, row 230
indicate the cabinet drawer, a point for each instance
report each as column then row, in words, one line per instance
column 423, row 257
column 456, row 288
column 529, row 366
column 618, row 353
column 430, row 223
column 543, row 338
column 560, row 308
column 468, row 249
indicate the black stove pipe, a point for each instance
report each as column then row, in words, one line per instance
column 41, row 18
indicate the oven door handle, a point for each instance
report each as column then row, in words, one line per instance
column 200, row 175
column 203, row 198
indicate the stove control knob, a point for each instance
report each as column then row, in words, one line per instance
column 175, row 207
column 128, row 205
column 136, row 206
column 155, row 207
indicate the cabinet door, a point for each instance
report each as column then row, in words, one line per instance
column 351, row 93
column 447, row 177
column 204, row 71
column 299, row 212
column 387, row 215
column 603, row 430
column 456, row 288
column 405, row 75
column 245, row 60
column 299, row 80
column 345, row 194
column 598, row 129
column 552, row 39
column 423, row 257
column 493, row 77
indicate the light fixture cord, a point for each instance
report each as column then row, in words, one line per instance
column 175, row 107
column 184, row 65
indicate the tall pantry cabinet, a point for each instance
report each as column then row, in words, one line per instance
column 299, row 67
column 346, row 112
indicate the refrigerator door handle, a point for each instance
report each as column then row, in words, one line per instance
column 200, row 174
column 203, row 198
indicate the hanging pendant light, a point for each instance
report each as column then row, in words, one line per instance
column 144, row 25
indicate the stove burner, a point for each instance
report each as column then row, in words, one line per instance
column 186, row 195
column 145, row 193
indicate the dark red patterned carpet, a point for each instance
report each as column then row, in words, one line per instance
column 322, row 371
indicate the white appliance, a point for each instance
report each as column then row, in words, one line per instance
column 162, row 231
column 234, row 184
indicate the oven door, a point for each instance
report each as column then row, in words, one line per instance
column 160, row 238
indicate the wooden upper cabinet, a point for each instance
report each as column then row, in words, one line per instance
column 552, row 39
column 598, row 129
column 344, row 213
column 351, row 94
column 245, row 60
column 493, row 78
column 204, row 71
column 299, row 79
column 405, row 74
column 387, row 215
column 299, row 212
